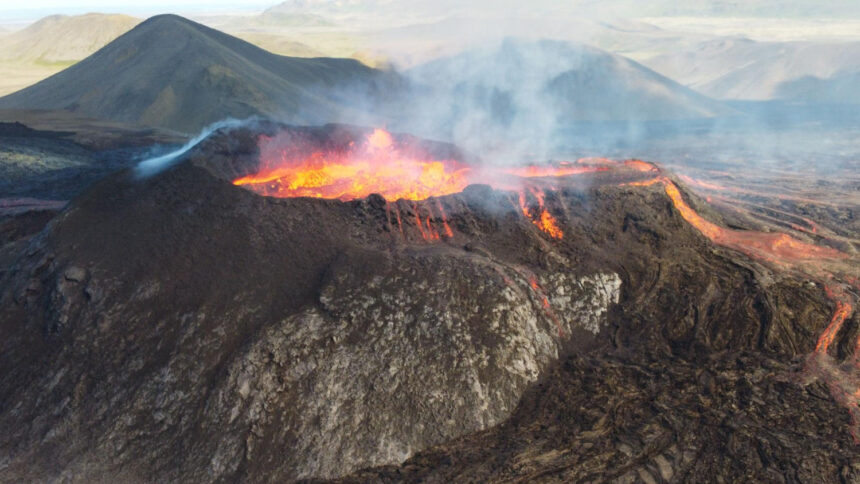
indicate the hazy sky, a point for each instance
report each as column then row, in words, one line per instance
column 13, row 11
column 19, row 11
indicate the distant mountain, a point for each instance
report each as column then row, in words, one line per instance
column 64, row 39
column 280, row 45
column 597, row 9
column 174, row 73
column 327, row 7
column 520, row 91
column 745, row 69
column 841, row 88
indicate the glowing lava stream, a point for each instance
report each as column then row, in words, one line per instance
column 778, row 248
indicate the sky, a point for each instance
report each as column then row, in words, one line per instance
column 12, row 11
column 16, row 11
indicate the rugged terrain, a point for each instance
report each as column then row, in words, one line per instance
column 718, row 417
column 179, row 327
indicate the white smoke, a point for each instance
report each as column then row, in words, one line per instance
column 158, row 164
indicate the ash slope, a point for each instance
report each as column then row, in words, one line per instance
column 182, row 328
column 171, row 72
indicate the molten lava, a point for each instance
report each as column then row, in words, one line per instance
column 843, row 310
column 375, row 166
column 541, row 217
column 380, row 165
column 777, row 248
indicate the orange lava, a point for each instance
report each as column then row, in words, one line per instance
column 448, row 231
column 375, row 166
column 541, row 218
column 380, row 164
column 547, row 307
column 640, row 165
column 775, row 247
column 843, row 310
column 535, row 171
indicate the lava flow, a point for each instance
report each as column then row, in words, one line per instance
column 541, row 217
column 777, row 248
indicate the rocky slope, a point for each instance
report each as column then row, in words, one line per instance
column 179, row 327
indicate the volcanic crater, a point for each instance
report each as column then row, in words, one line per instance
column 186, row 326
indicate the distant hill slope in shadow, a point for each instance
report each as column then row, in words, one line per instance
column 174, row 73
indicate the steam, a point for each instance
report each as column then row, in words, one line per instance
column 152, row 166
column 526, row 82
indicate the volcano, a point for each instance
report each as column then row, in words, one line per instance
column 173, row 73
column 245, row 315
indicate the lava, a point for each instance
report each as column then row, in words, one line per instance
column 544, row 300
column 535, row 171
column 541, row 218
column 777, row 248
column 377, row 165
column 843, row 310
column 448, row 231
